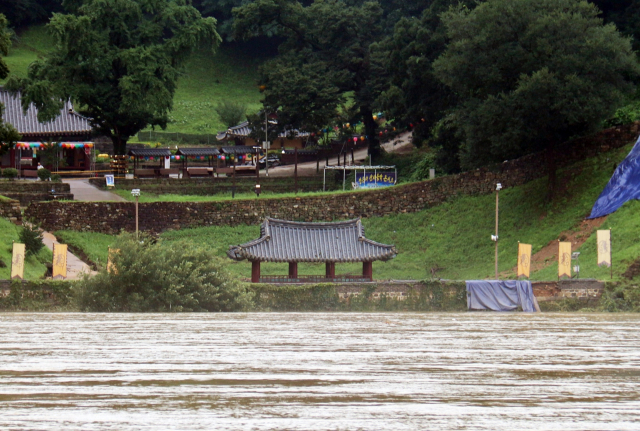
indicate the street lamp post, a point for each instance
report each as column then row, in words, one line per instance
column 266, row 142
column 495, row 237
column 136, row 193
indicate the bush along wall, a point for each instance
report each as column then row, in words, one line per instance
column 37, row 295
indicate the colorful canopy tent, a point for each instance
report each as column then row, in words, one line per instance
column 623, row 186
column 500, row 295
column 149, row 154
column 210, row 153
column 293, row 242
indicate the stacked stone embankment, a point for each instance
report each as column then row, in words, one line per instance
column 108, row 217
column 27, row 192
column 10, row 209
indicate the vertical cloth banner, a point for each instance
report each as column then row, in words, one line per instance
column 564, row 259
column 524, row 260
column 60, row 260
column 111, row 268
column 604, row 248
column 17, row 261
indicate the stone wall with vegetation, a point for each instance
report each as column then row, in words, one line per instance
column 27, row 192
column 221, row 185
column 10, row 209
column 110, row 217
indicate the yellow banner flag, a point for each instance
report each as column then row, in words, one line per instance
column 524, row 260
column 60, row 260
column 17, row 261
column 604, row 248
column 110, row 266
column 564, row 259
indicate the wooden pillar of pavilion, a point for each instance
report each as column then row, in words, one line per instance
column 255, row 271
column 293, row 269
column 330, row 270
column 367, row 270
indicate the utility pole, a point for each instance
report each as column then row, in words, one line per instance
column 498, row 188
column 136, row 193
column 266, row 143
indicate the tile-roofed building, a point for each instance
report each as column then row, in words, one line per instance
column 68, row 127
column 200, row 151
column 65, row 126
column 329, row 242
column 286, row 139
column 149, row 152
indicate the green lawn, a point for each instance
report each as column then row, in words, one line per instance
column 33, row 268
column 455, row 237
column 209, row 78
column 95, row 246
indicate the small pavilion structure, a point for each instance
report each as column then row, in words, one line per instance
column 328, row 242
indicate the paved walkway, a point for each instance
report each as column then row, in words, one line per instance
column 83, row 191
column 75, row 267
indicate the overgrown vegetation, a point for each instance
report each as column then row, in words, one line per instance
column 153, row 276
column 31, row 237
column 34, row 267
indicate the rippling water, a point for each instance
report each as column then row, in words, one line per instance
column 303, row 371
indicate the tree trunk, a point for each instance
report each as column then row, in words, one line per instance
column 552, row 167
column 370, row 127
column 119, row 145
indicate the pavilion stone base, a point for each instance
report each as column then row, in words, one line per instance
column 330, row 275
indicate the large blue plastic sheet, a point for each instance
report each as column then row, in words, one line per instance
column 623, row 186
column 499, row 295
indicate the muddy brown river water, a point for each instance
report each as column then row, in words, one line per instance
column 320, row 371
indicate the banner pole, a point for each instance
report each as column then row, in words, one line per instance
column 611, row 255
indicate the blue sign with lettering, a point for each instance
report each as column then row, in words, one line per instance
column 367, row 180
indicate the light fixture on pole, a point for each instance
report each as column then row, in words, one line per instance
column 495, row 237
column 136, row 194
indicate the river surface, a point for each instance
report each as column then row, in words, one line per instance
column 320, row 371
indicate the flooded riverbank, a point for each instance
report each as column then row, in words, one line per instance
column 320, row 371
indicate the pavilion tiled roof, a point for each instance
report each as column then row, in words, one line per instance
column 149, row 152
column 203, row 151
column 289, row 241
column 67, row 123
column 243, row 130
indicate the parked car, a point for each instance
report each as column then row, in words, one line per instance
column 273, row 161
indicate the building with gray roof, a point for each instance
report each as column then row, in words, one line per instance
column 328, row 242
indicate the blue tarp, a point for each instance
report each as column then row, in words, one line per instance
column 499, row 295
column 623, row 186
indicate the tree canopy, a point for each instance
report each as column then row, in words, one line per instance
column 8, row 134
column 531, row 74
column 324, row 59
column 118, row 61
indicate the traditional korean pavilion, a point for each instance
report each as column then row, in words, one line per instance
column 293, row 242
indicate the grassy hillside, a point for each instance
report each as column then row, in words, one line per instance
column 229, row 74
column 33, row 268
column 454, row 238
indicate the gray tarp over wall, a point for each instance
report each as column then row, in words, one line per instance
column 498, row 295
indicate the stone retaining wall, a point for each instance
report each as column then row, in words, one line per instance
column 211, row 186
column 111, row 218
column 10, row 209
column 25, row 186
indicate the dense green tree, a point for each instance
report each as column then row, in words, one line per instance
column 531, row 74
column 118, row 60
column 324, row 59
column 25, row 12
column 414, row 94
column 8, row 134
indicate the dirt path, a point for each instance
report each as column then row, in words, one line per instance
column 83, row 191
column 547, row 255
column 75, row 266
column 401, row 144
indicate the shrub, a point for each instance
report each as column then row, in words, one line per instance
column 10, row 173
column 56, row 178
column 44, row 174
column 31, row 237
column 231, row 113
column 148, row 276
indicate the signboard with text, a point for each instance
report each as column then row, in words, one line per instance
column 367, row 180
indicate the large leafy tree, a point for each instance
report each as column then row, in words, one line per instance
column 325, row 58
column 118, row 60
column 8, row 134
column 531, row 74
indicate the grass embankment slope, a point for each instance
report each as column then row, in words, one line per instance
column 34, row 267
column 209, row 78
column 454, row 238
